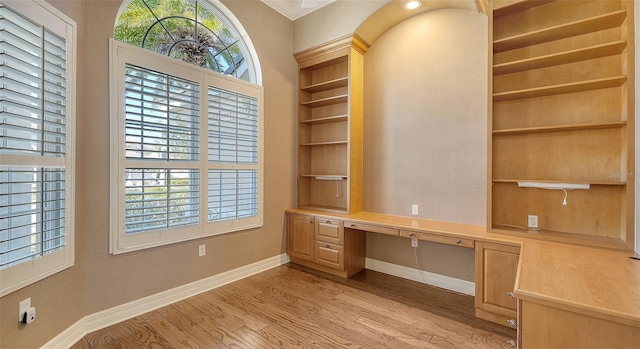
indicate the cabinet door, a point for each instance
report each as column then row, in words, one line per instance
column 496, row 267
column 300, row 237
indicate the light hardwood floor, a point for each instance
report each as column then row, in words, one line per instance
column 294, row 307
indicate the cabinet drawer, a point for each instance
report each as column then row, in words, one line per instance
column 372, row 228
column 330, row 255
column 329, row 231
column 439, row 238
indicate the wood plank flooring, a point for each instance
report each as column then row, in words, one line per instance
column 294, row 307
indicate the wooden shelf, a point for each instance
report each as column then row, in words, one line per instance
column 324, row 143
column 326, row 120
column 324, row 175
column 323, row 208
column 330, row 112
column 583, row 54
column 515, row 181
column 507, row 7
column 566, row 30
column 326, row 101
column 580, row 86
column 326, row 85
column 561, row 128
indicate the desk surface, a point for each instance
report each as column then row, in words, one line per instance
column 597, row 282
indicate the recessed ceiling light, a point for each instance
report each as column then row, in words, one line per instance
column 412, row 4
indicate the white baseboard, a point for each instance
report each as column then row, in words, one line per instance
column 442, row 281
column 108, row 317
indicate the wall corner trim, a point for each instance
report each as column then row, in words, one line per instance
column 108, row 317
column 437, row 280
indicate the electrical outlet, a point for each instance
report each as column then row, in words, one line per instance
column 414, row 242
column 202, row 250
column 414, row 209
column 532, row 221
column 23, row 307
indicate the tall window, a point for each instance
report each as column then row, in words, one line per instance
column 186, row 161
column 36, row 143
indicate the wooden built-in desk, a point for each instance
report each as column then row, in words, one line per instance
column 567, row 296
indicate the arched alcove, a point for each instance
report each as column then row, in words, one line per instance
column 394, row 12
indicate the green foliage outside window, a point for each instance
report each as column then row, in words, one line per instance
column 183, row 29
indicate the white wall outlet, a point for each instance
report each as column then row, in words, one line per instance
column 414, row 209
column 414, row 242
column 23, row 307
column 532, row 221
column 202, row 250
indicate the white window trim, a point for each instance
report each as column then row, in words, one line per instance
column 120, row 242
column 27, row 273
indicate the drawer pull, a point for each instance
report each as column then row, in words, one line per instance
column 512, row 343
column 353, row 225
column 512, row 322
column 511, row 294
column 410, row 234
column 328, row 222
column 327, row 246
column 458, row 242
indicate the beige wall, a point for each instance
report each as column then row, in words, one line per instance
column 425, row 131
column 99, row 280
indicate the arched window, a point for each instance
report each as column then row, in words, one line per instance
column 193, row 31
column 187, row 149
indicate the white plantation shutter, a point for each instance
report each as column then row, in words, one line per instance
column 184, row 135
column 33, row 213
column 161, row 198
column 232, row 194
column 161, row 126
column 162, row 115
column 233, row 127
column 36, row 143
column 233, row 140
column 33, row 85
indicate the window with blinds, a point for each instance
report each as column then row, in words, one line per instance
column 187, row 157
column 162, row 115
column 232, row 139
column 36, row 132
column 161, row 198
column 33, row 116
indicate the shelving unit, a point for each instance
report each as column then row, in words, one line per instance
column 562, row 111
column 330, row 126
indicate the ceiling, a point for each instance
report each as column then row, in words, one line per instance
column 294, row 9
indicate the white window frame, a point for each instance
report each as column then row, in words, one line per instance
column 121, row 242
column 29, row 272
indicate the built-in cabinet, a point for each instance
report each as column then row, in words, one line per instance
column 551, row 327
column 330, row 126
column 321, row 243
column 301, row 237
column 562, row 118
column 496, row 268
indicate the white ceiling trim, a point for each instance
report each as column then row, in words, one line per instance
column 294, row 9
